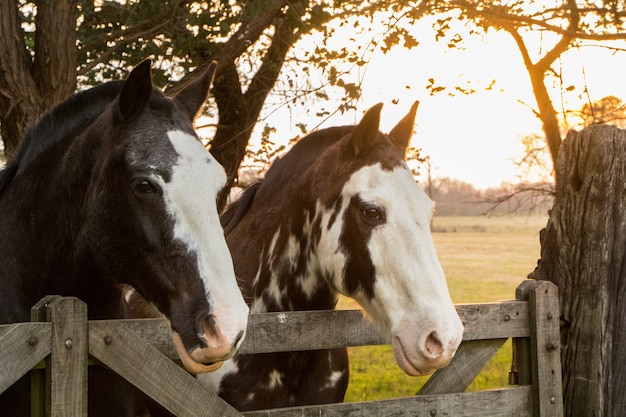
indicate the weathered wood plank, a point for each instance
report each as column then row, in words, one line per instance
column 521, row 364
column 508, row 402
column 300, row 330
column 38, row 376
column 157, row 332
column 500, row 320
column 67, row 374
column 544, row 343
column 22, row 346
column 124, row 352
column 119, row 346
column 470, row 359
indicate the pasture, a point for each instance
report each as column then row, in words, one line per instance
column 484, row 259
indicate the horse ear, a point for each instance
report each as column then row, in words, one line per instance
column 402, row 132
column 136, row 92
column 192, row 97
column 366, row 132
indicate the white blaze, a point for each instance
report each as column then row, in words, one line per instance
column 190, row 198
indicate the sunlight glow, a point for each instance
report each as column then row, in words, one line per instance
column 474, row 137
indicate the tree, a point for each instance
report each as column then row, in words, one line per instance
column 565, row 24
column 607, row 110
column 48, row 49
column 38, row 69
column 534, row 163
column 583, row 251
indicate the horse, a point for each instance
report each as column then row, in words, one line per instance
column 340, row 213
column 113, row 188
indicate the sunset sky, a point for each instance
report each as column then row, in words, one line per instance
column 474, row 137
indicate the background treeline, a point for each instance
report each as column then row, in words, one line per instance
column 457, row 198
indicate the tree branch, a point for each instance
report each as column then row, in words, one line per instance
column 563, row 44
column 127, row 39
column 247, row 34
column 521, row 20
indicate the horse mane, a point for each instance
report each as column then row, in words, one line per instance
column 284, row 170
column 237, row 209
column 67, row 118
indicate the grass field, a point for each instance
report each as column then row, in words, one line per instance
column 484, row 259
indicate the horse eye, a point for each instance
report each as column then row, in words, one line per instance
column 145, row 186
column 373, row 214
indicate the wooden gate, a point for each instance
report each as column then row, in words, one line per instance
column 60, row 342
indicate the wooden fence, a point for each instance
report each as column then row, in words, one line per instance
column 59, row 343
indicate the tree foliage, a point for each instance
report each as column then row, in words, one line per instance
column 562, row 25
column 49, row 49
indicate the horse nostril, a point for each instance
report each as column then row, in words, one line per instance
column 433, row 345
column 210, row 325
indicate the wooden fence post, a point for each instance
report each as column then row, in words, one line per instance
column 67, row 373
column 38, row 377
column 538, row 361
column 583, row 251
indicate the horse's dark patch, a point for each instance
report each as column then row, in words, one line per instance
column 360, row 274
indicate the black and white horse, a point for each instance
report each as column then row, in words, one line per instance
column 340, row 213
column 111, row 188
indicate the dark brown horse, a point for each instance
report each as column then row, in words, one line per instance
column 114, row 187
column 338, row 214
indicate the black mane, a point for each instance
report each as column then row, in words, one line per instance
column 66, row 119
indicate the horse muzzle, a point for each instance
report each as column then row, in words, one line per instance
column 211, row 356
column 423, row 352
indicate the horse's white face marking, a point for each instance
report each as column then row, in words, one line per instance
column 411, row 299
column 190, row 198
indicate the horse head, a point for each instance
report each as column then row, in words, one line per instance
column 152, row 220
column 377, row 247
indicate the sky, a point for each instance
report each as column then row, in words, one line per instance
column 473, row 138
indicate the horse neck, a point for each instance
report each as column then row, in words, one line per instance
column 42, row 216
column 281, row 270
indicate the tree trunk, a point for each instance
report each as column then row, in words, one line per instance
column 238, row 111
column 32, row 87
column 56, row 53
column 583, row 252
column 19, row 100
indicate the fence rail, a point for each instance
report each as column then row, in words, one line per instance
column 66, row 339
